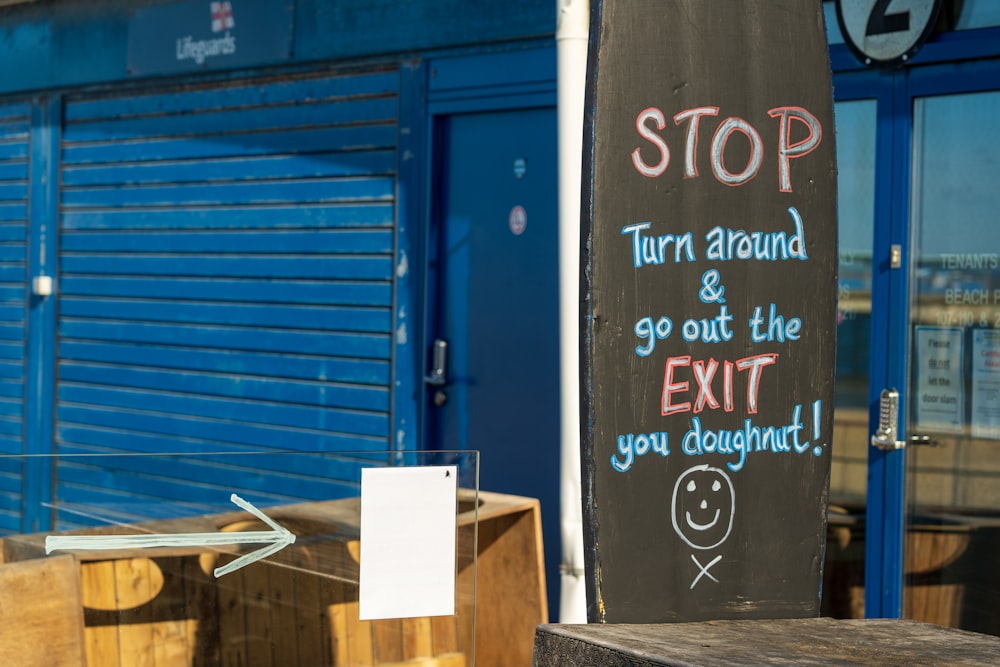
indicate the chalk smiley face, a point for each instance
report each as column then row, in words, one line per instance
column 703, row 506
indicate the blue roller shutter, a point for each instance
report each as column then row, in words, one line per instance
column 226, row 278
column 15, row 133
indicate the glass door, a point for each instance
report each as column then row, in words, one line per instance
column 915, row 524
column 952, row 521
column 843, row 594
column 857, row 546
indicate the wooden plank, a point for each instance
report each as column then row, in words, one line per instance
column 233, row 647
column 99, row 584
column 260, row 637
column 708, row 405
column 806, row 642
column 444, row 633
column 510, row 552
column 201, row 600
column 301, row 605
column 417, row 638
column 173, row 636
column 41, row 613
column 282, row 603
column 134, row 588
column 332, row 594
column 312, row 639
column 387, row 641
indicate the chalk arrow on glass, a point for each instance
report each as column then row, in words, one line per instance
column 278, row 538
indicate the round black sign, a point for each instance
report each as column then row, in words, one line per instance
column 886, row 32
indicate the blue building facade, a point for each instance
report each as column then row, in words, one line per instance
column 239, row 226
column 231, row 226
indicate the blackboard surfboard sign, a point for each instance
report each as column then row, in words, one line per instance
column 709, row 309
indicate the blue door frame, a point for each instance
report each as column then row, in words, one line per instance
column 955, row 62
column 464, row 92
column 39, row 384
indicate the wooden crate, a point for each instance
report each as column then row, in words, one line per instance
column 300, row 606
column 41, row 614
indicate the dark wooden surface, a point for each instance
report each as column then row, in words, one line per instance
column 710, row 520
column 814, row 641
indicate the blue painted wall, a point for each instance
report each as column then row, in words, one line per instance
column 48, row 45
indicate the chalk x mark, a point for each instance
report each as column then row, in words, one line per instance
column 704, row 570
column 279, row 538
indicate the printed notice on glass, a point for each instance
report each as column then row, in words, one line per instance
column 407, row 542
column 940, row 388
column 986, row 384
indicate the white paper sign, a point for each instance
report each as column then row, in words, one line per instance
column 940, row 402
column 407, row 542
column 986, row 383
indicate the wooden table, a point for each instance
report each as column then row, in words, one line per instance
column 813, row 641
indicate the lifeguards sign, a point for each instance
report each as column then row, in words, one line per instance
column 709, row 315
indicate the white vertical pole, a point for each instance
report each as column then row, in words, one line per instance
column 573, row 17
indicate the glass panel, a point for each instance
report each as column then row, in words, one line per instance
column 978, row 14
column 843, row 594
column 953, row 484
column 833, row 34
column 232, row 558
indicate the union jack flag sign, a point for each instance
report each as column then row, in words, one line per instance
column 222, row 16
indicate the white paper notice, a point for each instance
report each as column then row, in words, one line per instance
column 986, row 383
column 940, row 387
column 407, row 542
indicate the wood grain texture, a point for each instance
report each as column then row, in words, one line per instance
column 41, row 613
column 707, row 250
column 163, row 607
column 823, row 641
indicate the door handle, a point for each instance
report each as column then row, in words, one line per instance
column 439, row 364
column 923, row 440
column 887, row 433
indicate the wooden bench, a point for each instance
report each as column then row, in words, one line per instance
column 804, row 642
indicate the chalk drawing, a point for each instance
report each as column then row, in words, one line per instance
column 279, row 538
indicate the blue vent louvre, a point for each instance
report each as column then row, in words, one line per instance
column 226, row 281
column 15, row 132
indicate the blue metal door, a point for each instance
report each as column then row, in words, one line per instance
column 226, row 276
column 497, row 305
column 918, row 262
column 28, row 131
column 15, row 170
